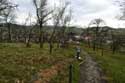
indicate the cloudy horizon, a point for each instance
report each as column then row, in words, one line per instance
column 83, row 11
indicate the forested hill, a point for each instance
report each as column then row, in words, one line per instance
column 48, row 29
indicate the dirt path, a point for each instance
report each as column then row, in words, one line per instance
column 90, row 72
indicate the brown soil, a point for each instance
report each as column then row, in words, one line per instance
column 45, row 76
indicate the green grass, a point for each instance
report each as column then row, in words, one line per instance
column 19, row 62
column 112, row 64
column 76, row 72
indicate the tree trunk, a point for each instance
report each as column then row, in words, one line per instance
column 51, row 47
column 88, row 43
column 63, row 36
column 102, row 51
column 58, row 44
column 1, row 35
column 41, row 36
column 41, row 41
column 9, row 33
column 114, row 47
column 101, row 46
column 28, row 41
column 25, row 35
column 94, row 45
column 51, row 39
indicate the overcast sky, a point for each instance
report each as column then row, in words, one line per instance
column 83, row 11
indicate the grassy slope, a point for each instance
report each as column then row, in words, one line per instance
column 113, row 65
column 19, row 62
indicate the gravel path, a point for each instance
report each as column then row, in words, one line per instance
column 90, row 72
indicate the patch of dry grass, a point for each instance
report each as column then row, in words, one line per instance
column 18, row 63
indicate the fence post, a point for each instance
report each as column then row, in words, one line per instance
column 70, row 73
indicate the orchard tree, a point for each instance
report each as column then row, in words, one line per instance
column 59, row 20
column 42, row 14
column 9, row 17
column 65, row 22
column 6, row 8
column 28, row 30
column 97, row 24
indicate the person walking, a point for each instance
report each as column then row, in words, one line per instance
column 78, row 51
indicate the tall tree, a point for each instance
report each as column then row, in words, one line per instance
column 59, row 20
column 65, row 20
column 96, row 23
column 28, row 30
column 5, row 8
column 42, row 14
column 9, row 17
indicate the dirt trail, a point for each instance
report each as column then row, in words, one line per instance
column 90, row 72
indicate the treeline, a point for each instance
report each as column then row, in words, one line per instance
column 19, row 33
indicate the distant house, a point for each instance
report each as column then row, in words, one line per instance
column 86, row 37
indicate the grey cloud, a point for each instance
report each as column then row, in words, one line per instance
column 83, row 10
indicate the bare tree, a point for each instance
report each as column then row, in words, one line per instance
column 121, row 4
column 59, row 19
column 97, row 31
column 7, row 14
column 42, row 14
column 9, row 17
column 25, row 28
column 5, row 7
column 65, row 21
column 1, row 34
column 56, row 20
column 5, row 4
column 116, row 43
column 28, row 30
